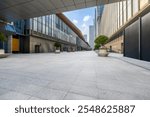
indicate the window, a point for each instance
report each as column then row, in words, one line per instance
column 50, row 26
column 35, row 24
column 57, row 22
column 124, row 12
column 135, row 6
column 129, row 9
column 121, row 14
column 46, row 24
column 39, row 24
column 31, row 24
column 118, row 15
column 43, row 29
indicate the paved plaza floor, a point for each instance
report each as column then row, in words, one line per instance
column 75, row 75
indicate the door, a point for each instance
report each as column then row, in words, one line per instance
column 37, row 48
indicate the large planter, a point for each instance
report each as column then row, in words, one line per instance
column 57, row 51
column 97, row 51
column 2, row 53
column 103, row 52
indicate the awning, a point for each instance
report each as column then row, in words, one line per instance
column 8, row 29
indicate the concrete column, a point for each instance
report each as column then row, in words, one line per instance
column 10, row 44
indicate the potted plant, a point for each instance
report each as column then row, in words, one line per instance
column 57, row 47
column 2, row 51
column 96, row 47
column 99, row 42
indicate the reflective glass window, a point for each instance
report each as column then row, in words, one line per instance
column 35, row 24
column 43, row 29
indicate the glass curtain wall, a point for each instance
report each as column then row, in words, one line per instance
column 52, row 25
column 35, row 24
column 39, row 21
column 46, row 24
column 43, row 25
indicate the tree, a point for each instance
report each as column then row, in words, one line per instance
column 2, row 37
column 57, row 45
column 101, row 40
column 97, row 46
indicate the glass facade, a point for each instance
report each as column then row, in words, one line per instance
column 52, row 25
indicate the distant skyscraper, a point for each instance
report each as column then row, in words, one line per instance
column 98, row 14
column 85, row 37
column 91, row 35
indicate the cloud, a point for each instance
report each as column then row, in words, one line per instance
column 86, row 18
column 75, row 21
column 84, row 25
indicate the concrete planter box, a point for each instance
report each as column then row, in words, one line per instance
column 2, row 53
column 103, row 52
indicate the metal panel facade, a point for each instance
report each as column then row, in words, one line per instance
column 145, row 40
column 132, row 41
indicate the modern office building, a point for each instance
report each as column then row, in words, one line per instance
column 39, row 34
column 85, row 37
column 98, row 14
column 127, row 24
column 91, row 35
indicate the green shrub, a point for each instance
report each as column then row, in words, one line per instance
column 96, row 47
column 2, row 37
column 57, row 45
column 101, row 40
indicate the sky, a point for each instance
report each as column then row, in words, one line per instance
column 82, row 19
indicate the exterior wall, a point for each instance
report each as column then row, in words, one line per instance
column 109, row 20
column 123, row 20
column 137, row 42
column 42, row 32
column 44, row 45
column 116, row 45
column 145, row 38
column 98, row 16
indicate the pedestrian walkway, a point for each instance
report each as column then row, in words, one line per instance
column 76, row 75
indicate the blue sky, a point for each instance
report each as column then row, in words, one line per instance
column 82, row 18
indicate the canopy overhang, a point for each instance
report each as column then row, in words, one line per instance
column 11, row 10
